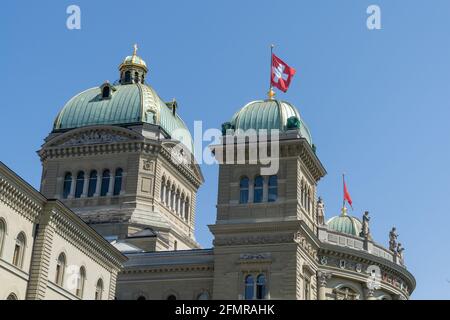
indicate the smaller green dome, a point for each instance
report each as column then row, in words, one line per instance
column 345, row 224
column 269, row 114
column 134, row 60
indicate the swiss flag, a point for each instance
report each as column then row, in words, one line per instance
column 347, row 195
column 281, row 75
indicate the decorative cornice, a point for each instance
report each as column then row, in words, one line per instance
column 19, row 195
column 356, row 261
column 69, row 226
column 165, row 269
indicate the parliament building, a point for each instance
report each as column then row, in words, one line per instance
column 118, row 200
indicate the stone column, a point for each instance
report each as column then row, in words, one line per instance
column 182, row 208
column 251, row 190
column 265, row 189
column 85, row 186
column 72, row 187
column 179, row 206
column 99, row 183
column 111, row 185
column 122, row 187
column 322, row 279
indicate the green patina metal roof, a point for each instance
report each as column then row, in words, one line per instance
column 269, row 115
column 345, row 224
column 131, row 103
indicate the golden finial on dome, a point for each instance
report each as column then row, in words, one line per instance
column 135, row 49
column 344, row 211
column 271, row 93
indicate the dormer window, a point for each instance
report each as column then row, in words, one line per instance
column 106, row 90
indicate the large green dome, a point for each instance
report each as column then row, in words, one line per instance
column 345, row 224
column 270, row 114
column 127, row 104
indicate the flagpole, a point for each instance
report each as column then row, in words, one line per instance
column 271, row 94
column 343, row 190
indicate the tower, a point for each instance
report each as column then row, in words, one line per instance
column 265, row 231
column 113, row 157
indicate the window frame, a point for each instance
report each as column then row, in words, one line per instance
column 67, row 185
column 99, row 288
column 118, row 179
column 61, row 263
column 104, row 186
column 92, row 184
column 272, row 186
column 244, row 190
column 18, row 256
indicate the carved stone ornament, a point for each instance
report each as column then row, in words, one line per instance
column 94, row 137
column 358, row 267
column 254, row 256
column 148, row 165
column 322, row 278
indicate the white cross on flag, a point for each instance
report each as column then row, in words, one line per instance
column 281, row 74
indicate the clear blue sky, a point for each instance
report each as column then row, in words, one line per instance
column 377, row 102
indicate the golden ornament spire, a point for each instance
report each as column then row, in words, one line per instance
column 135, row 47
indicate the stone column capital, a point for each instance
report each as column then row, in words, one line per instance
column 322, row 278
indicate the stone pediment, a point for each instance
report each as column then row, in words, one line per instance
column 92, row 136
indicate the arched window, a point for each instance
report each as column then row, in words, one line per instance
column 80, row 283
column 136, row 77
column 273, row 188
column 177, row 203
column 243, row 187
column 92, row 183
column 19, row 250
column 106, row 92
column 118, row 181
column 79, row 185
column 162, row 191
column 60, row 269
column 249, row 287
column 99, row 290
column 187, row 208
column 127, row 76
column 67, row 185
column 261, row 287
column 345, row 293
column 172, row 198
column 258, row 192
column 12, row 296
column 105, row 183
column 2, row 235
column 167, row 193
column 308, row 201
column 183, row 206
column 172, row 297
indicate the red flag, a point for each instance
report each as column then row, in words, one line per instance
column 347, row 195
column 281, row 75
